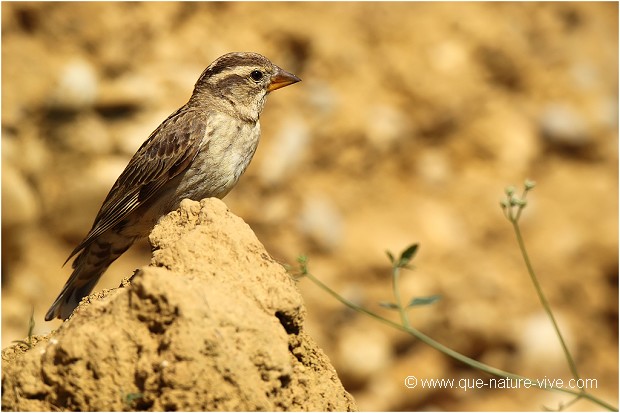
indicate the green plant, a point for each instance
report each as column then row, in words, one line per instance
column 129, row 399
column 512, row 207
column 28, row 342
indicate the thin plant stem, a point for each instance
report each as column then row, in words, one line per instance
column 543, row 300
column 396, row 291
column 448, row 351
column 514, row 220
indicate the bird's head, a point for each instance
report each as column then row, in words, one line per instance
column 240, row 82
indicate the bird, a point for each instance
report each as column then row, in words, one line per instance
column 199, row 151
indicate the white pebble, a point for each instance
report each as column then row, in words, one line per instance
column 364, row 353
column 562, row 125
column 539, row 344
column 385, row 125
column 77, row 86
column 321, row 222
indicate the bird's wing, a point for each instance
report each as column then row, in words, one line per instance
column 168, row 151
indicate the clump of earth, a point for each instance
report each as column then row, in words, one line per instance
column 214, row 323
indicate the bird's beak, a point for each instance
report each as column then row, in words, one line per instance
column 280, row 79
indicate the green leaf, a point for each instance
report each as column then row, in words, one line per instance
column 130, row 397
column 390, row 256
column 407, row 255
column 302, row 260
column 418, row 301
column 386, row 304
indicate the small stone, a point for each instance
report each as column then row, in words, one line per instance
column 77, row 86
column 385, row 125
column 364, row 353
column 539, row 344
column 322, row 222
column 449, row 57
column 585, row 75
column 434, row 167
column 563, row 126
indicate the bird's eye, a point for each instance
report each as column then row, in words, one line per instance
column 256, row 75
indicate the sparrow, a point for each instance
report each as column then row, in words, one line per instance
column 199, row 151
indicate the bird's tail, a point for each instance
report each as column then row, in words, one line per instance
column 88, row 267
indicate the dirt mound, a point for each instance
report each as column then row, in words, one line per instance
column 213, row 324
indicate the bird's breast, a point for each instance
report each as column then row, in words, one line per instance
column 225, row 152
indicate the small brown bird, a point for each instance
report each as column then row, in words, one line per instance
column 200, row 151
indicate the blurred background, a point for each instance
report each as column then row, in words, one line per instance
column 410, row 121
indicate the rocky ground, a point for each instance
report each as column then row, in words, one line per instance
column 410, row 121
column 213, row 323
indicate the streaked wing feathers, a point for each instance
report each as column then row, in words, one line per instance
column 168, row 151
